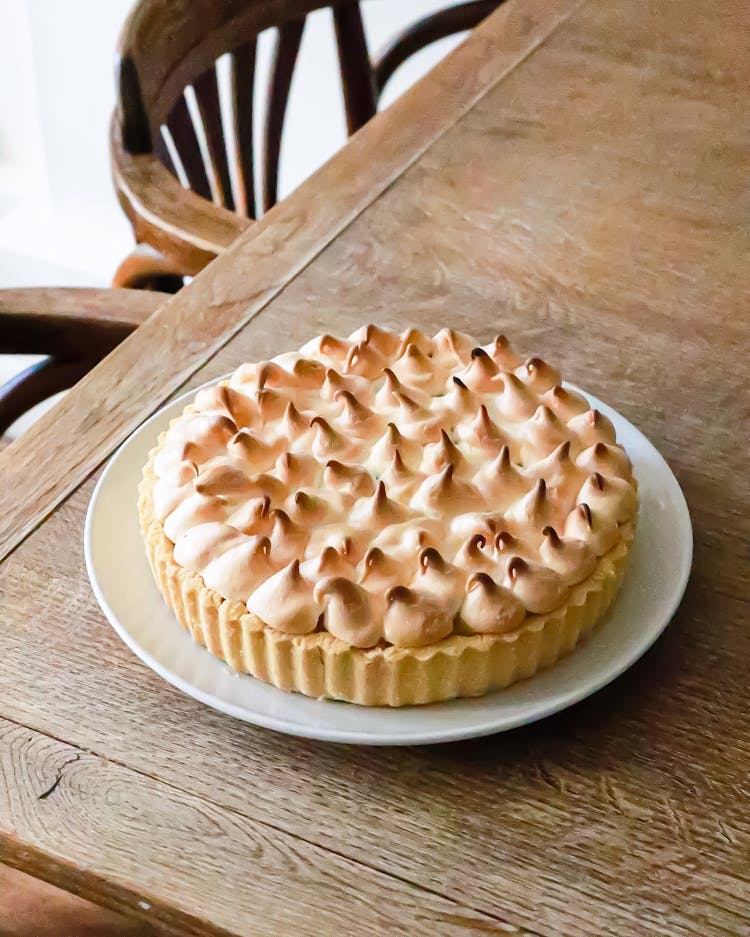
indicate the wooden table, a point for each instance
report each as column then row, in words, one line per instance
column 572, row 175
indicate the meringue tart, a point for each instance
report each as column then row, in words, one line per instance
column 389, row 519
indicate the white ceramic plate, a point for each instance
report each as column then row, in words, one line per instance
column 124, row 587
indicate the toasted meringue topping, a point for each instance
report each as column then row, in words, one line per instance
column 288, row 539
column 607, row 460
column 543, row 433
column 540, row 589
column 348, row 479
column 489, row 608
column 413, row 620
column 565, row 404
column 610, row 497
column 399, row 479
column 229, row 402
column 573, row 559
column 439, row 580
column 516, row 402
column 377, row 511
column 538, row 375
column 455, row 346
column 350, row 612
column 365, row 360
column 481, row 374
column 385, row 342
column 296, row 468
column 418, row 481
column 502, row 354
column 446, row 494
column 599, row 531
column 592, row 427
column 474, row 555
column 499, row 481
column 482, row 432
column 285, row 601
column 441, row 454
column 378, row 571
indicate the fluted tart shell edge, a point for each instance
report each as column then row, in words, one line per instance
column 320, row 665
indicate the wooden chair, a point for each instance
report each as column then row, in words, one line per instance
column 73, row 328
column 170, row 46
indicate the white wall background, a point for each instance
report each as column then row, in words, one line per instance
column 59, row 219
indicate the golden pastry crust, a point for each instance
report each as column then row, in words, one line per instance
column 320, row 665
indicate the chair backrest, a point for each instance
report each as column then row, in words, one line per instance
column 170, row 46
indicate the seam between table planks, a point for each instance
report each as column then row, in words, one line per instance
column 41, row 475
column 35, row 860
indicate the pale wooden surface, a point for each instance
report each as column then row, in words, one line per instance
column 590, row 205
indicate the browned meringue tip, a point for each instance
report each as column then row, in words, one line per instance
column 326, row 434
column 539, row 491
column 374, row 557
column 262, row 548
column 552, row 536
column 484, row 427
column 454, row 341
column 355, row 412
column 309, row 373
column 447, row 452
column 545, row 416
column 430, row 558
column 336, row 474
column 308, row 508
column 363, row 359
column 292, row 422
column 475, row 544
column 336, row 585
column 247, row 443
column 330, row 560
column 408, row 402
column 562, row 452
column 271, row 403
column 400, row 594
column 517, row 567
column 334, row 381
column 218, row 480
column 460, row 384
column 504, row 541
column 417, row 359
column 480, row 581
column 597, row 481
column 230, row 400
column 585, row 512
column 283, row 523
column 371, row 334
column 540, row 374
column 414, row 337
column 272, row 374
column 391, row 379
column 502, row 353
column 331, row 345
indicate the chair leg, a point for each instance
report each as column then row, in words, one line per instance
column 147, row 269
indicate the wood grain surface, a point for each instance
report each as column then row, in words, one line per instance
column 590, row 205
column 42, row 468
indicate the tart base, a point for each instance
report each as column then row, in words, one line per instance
column 320, row 665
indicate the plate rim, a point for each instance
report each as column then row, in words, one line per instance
column 541, row 710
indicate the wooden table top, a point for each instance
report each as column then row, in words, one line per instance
column 573, row 175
